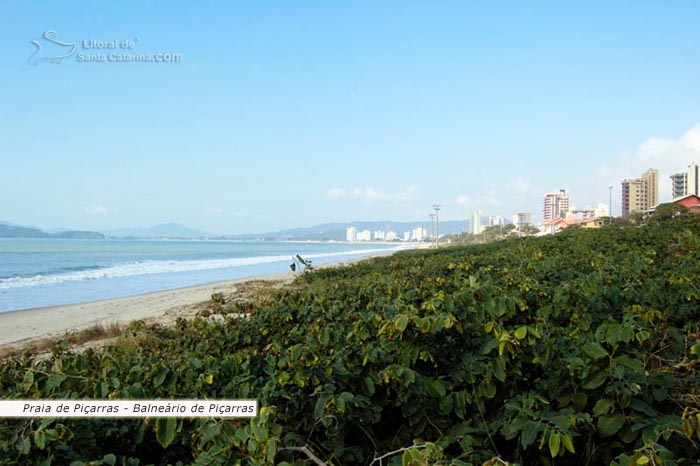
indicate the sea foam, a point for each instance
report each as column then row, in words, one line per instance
column 151, row 267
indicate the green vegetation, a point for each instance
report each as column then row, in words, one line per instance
column 574, row 349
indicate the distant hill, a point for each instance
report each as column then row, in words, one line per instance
column 336, row 231
column 9, row 230
column 163, row 230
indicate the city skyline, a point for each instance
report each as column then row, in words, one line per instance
column 275, row 116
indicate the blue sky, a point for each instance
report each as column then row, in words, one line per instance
column 284, row 114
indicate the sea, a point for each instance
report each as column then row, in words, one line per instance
column 49, row 272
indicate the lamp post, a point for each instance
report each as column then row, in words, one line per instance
column 437, row 208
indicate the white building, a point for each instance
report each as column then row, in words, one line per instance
column 391, row 236
column 351, row 234
column 603, row 210
column 496, row 221
column 407, row 236
column 380, row 235
column 476, row 223
column 364, row 235
column 556, row 205
column 688, row 182
column 419, row 234
column 520, row 219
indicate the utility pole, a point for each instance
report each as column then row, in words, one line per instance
column 432, row 224
column 610, row 205
column 437, row 208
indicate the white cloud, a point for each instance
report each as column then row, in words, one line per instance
column 95, row 209
column 371, row 194
column 487, row 199
column 668, row 155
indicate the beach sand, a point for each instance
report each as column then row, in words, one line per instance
column 19, row 329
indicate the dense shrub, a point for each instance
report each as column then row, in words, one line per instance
column 578, row 348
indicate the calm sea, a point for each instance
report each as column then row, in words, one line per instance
column 49, row 272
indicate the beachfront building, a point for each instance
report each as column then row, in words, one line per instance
column 364, row 235
column 521, row 219
column 687, row 182
column 476, row 223
column 691, row 201
column 588, row 213
column 496, row 221
column 679, row 184
column 556, row 205
column 391, row 236
column 351, row 234
column 603, row 210
column 407, row 236
column 640, row 194
column 379, row 235
column 419, row 234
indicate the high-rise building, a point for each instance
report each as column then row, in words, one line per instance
column 679, row 184
column 640, row 194
column 556, row 205
column 496, row 221
column 364, row 235
column 685, row 183
column 476, row 223
column 693, row 179
column 351, row 234
column 419, row 234
column 520, row 219
column 379, row 234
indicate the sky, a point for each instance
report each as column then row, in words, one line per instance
column 273, row 115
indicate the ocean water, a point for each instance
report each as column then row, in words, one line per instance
column 49, row 272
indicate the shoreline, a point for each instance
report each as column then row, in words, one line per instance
column 20, row 328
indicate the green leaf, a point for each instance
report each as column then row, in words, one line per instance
column 271, row 451
column 25, row 445
column 610, row 425
column 595, row 381
column 401, row 322
column 594, row 350
column 529, row 434
column 554, row 442
column 499, row 369
column 166, row 430
column 109, row 459
column 568, row 444
column 321, row 406
column 642, row 407
column 368, row 386
column 489, row 346
column 40, row 439
column 445, row 404
column 603, row 406
column 160, row 376
column 521, row 333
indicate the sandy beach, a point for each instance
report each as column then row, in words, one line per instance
column 20, row 328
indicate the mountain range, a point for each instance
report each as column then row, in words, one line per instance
column 336, row 231
column 9, row 230
column 322, row 232
column 163, row 230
